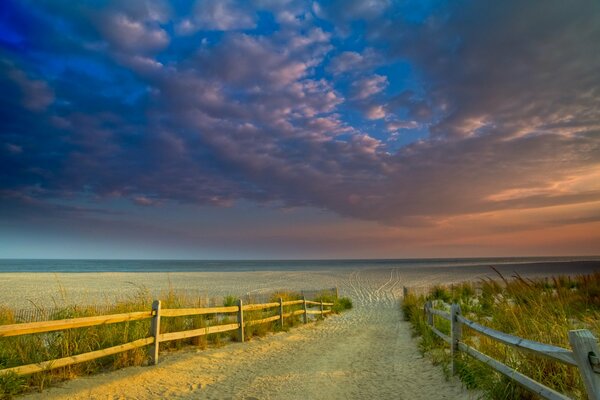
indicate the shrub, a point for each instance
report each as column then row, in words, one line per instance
column 230, row 301
column 27, row 349
column 342, row 303
column 543, row 310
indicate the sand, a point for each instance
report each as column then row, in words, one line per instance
column 367, row 352
column 34, row 290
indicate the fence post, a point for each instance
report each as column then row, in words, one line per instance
column 241, row 320
column 281, row 312
column 586, row 353
column 322, row 309
column 337, row 293
column 456, row 332
column 305, row 313
column 155, row 331
column 429, row 306
column 404, row 292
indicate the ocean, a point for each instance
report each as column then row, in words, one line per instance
column 100, row 265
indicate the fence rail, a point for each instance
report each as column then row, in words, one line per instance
column 155, row 337
column 583, row 355
column 42, row 314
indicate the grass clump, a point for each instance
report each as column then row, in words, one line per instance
column 33, row 348
column 544, row 310
column 339, row 303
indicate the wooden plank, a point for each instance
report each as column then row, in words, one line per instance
column 164, row 337
column 182, row 312
column 292, row 313
column 585, row 351
column 57, row 325
column 313, row 312
column 455, row 335
column 281, row 312
column 155, row 329
column 312, row 303
column 525, row 381
column 327, row 311
column 262, row 321
column 253, row 307
column 66, row 361
column 305, row 313
column 328, row 304
column 440, row 313
column 292, row 302
column 241, row 320
column 541, row 349
column 442, row 336
column 428, row 308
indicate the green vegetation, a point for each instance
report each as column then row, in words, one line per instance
column 32, row 348
column 543, row 310
column 339, row 303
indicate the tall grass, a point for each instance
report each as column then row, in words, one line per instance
column 543, row 310
column 27, row 349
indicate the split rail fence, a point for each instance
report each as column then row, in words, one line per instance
column 584, row 353
column 155, row 337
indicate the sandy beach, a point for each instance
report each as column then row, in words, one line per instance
column 44, row 290
column 367, row 352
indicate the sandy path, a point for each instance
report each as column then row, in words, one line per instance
column 365, row 353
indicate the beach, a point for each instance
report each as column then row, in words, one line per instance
column 367, row 352
column 50, row 289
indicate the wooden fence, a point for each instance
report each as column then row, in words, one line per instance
column 584, row 353
column 257, row 296
column 155, row 337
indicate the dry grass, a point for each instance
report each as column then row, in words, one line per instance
column 543, row 310
column 27, row 349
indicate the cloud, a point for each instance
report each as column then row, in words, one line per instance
column 353, row 62
column 369, row 86
column 343, row 12
column 217, row 15
column 127, row 34
column 477, row 65
column 13, row 148
column 36, row 95
column 397, row 125
column 269, row 115
column 375, row 112
column 144, row 201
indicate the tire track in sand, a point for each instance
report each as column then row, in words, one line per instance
column 367, row 352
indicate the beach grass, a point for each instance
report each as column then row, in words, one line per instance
column 544, row 310
column 32, row 348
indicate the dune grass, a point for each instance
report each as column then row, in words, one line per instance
column 27, row 349
column 543, row 310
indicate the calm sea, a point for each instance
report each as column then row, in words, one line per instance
column 10, row 265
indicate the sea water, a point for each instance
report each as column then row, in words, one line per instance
column 61, row 266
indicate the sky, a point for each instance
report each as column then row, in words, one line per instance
column 216, row 129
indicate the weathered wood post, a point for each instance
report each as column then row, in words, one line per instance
column 155, row 331
column 587, row 355
column 429, row 306
column 322, row 315
column 305, row 313
column 241, row 320
column 456, row 334
column 337, row 293
column 404, row 292
column 281, row 312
